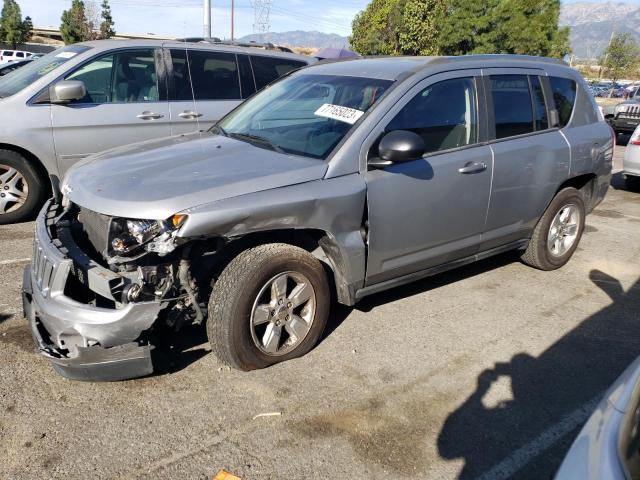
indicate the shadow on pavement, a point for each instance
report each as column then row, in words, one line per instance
column 5, row 316
column 546, row 389
column 175, row 352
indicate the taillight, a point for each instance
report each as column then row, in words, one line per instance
column 635, row 138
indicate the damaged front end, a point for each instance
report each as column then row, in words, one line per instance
column 99, row 288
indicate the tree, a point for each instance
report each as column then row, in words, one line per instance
column 75, row 27
column 621, row 57
column 13, row 29
column 106, row 27
column 421, row 27
column 376, row 30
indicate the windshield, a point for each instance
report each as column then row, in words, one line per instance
column 304, row 115
column 25, row 76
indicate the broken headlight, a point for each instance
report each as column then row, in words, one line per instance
column 136, row 233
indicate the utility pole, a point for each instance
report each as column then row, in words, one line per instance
column 232, row 19
column 207, row 19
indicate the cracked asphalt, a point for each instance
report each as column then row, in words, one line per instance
column 486, row 370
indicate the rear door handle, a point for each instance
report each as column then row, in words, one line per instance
column 187, row 114
column 149, row 116
column 473, row 167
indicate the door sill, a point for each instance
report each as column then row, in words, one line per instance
column 429, row 272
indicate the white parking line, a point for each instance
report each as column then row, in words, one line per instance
column 521, row 457
column 15, row 261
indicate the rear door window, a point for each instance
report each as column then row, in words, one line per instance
column 267, row 69
column 20, row 54
column 541, row 118
column 209, row 76
column 512, row 105
column 247, row 82
column 564, row 96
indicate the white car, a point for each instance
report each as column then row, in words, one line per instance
column 631, row 163
column 8, row 56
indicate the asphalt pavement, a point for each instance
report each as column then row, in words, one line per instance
column 484, row 372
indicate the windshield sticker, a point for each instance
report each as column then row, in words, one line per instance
column 66, row 55
column 336, row 112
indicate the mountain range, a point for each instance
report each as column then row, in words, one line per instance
column 592, row 24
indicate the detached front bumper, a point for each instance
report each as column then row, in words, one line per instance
column 623, row 123
column 82, row 341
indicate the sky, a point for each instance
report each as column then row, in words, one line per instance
column 183, row 18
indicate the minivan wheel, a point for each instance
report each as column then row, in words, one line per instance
column 21, row 190
column 558, row 232
column 270, row 304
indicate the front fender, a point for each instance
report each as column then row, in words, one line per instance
column 335, row 206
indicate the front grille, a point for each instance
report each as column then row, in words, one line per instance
column 631, row 111
column 96, row 227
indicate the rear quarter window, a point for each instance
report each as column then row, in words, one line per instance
column 268, row 69
column 564, row 96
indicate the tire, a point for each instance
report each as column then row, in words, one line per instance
column 539, row 254
column 244, row 287
column 632, row 182
column 26, row 180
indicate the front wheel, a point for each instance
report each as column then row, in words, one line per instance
column 22, row 191
column 270, row 304
column 558, row 232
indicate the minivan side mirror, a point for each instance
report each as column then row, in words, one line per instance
column 67, row 91
column 398, row 146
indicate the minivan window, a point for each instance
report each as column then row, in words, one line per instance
column 210, row 76
column 444, row 114
column 128, row 76
column 512, row 107
column 305, row 115
column 20, row 54
column 268, row 69
column 564, row 95
column 246, row 76
column 542, row 122
column 22, row 78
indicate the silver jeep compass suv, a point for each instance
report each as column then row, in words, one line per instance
column 339, row 181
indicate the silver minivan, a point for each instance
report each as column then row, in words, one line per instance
column 89, row 97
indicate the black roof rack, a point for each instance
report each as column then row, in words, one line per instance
column 217, row 41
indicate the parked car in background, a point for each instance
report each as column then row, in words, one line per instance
column 89, row 97
column 363, row 174
column 631, row 162
column 625, row 116
column 7, row 56
column 10, row 67
column 608, row 446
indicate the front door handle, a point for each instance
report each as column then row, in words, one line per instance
column 149, row 116
column 473, row 167
column 187, row 114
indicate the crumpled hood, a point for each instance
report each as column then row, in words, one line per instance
column 156, row 179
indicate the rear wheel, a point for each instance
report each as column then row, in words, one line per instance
column 22, row 190
column 558, row 232
column 270, row 304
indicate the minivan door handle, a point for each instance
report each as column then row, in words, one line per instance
column 187, row 114
column 149, row 116
column 473, row 167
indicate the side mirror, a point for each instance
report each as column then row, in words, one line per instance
column 398, row 146
column 67, row 91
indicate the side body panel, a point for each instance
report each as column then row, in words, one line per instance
column 527, row 172
column 426, row 212
column 334, row 206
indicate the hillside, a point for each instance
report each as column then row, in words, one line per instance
column 300, row 38
column 593, row 22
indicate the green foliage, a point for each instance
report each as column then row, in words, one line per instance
column 459, row 27
column 106, row 27
column 376, row 30
column 421, row 20
column 13, row 29
column 75, row 27
column 621, row 57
